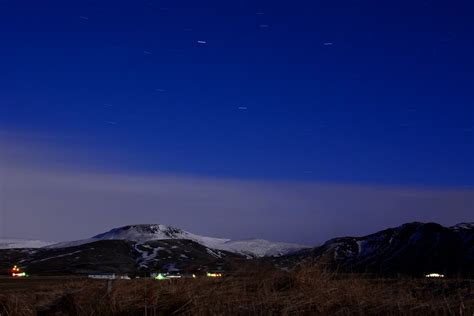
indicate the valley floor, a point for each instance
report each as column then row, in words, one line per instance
column 265, row 291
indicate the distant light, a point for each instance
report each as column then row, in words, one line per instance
column 160, row 276
column 434, row 275
column 242, row 108
column 214, row 275
column 16, row 272
column 202, row 42
column 327, row 44
column 264, row 25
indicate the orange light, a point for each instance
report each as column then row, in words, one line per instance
column 16, row 272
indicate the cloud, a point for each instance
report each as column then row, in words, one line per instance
column 52, row 192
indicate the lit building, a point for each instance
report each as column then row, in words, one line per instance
column 434, row 275
column 214, row 275
column 17, row 273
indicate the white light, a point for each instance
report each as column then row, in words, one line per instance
column 434, row 275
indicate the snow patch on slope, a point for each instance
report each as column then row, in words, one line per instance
column 23, row 243
column 260, row 247
column 462, row 226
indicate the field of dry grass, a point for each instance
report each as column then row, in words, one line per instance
column 263, row 291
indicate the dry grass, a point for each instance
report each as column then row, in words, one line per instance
column 266, row 291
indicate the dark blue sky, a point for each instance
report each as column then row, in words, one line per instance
column 374, row 92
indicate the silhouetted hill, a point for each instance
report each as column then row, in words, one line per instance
column 413, row 248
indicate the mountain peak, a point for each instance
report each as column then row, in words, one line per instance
column 142, row 233
column 139, row 232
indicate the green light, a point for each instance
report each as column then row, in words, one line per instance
column 160, row 276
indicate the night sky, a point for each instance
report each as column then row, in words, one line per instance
column 247, row 101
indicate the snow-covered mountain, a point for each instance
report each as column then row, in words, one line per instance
column 410, row 248
column 23, row 243
column 413, row 248
column 144, row 233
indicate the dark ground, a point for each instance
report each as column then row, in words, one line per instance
column 264, row 291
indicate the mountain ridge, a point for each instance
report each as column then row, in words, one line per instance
column 17, row 243
column 149, row 232
column 411, row 248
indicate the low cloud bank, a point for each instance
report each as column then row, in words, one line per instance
column 44, row 197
